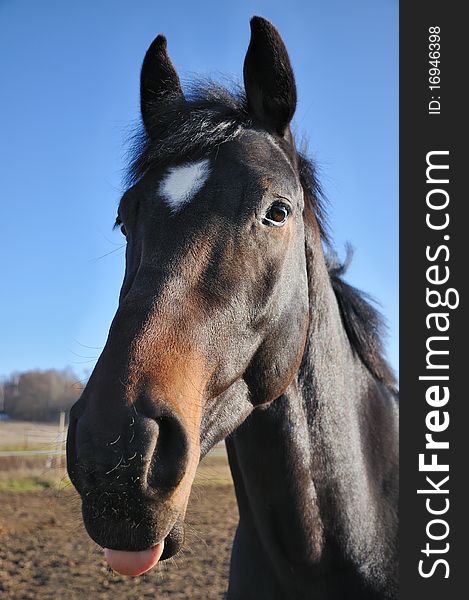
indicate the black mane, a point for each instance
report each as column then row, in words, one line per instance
column 210, row 115
column 363, row 323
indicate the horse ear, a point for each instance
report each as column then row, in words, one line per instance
column 159, row 81
column 268, row 77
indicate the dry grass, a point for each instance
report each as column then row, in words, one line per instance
column 29, row 435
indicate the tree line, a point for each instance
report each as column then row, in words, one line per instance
column 40, row 395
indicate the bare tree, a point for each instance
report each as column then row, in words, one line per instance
column 40, row 395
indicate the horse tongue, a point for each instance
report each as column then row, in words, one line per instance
column 133, row 563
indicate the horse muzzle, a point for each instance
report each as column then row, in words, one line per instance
column 133, row 470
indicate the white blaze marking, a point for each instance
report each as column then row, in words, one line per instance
column 182, row 183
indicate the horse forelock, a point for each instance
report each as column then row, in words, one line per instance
column 188, row 128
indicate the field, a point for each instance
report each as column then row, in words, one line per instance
column 29, row 435
column 46, row 553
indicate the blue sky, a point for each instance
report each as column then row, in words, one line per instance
column 69, row 73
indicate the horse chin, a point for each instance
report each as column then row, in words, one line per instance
column 174, row 540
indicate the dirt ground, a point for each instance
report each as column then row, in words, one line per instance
column 46, row 553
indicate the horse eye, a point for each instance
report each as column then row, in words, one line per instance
column 277, row 214
column 119, row 224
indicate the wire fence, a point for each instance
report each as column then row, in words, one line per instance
column 23, row 440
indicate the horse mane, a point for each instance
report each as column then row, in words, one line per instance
column 210, row 115
column 364, row 324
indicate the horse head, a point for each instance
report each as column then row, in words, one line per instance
column 213, row 311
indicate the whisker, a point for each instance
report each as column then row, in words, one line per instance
column 117, row 466
column 107, row 253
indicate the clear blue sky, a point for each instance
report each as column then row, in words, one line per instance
column 69, row 78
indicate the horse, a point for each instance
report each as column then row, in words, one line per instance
column 234, row 322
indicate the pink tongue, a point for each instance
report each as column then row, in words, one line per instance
column 133, row 563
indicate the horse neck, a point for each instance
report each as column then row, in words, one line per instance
column 308, row 473
column 353, row 424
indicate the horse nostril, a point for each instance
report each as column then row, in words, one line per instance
column 145, row 448
column 171, row 455
column 171, row 451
